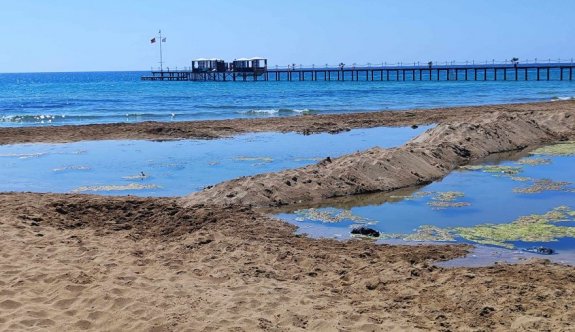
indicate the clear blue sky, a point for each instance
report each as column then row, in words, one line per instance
column 78, row 35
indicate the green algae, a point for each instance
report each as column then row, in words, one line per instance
column 544, row 185
column 130, row 186
column 439, row 199
column 522, row 179
column 424, row 233
column 259, row 159
column 531, row 228
column 413, row 196
column 534, row 161
column 443, row 200
column 561, row 149
column 72, row 168
column 448, row 196
column 330, row 215
column 495, row 169
column 445, row 205
column 430, row 233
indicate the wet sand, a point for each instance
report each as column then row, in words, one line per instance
column 212, row 262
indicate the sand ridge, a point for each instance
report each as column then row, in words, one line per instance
column 426, row 158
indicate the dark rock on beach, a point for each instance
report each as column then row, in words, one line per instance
column 541, row 250
column 365, row 231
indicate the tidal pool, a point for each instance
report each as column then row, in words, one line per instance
column 174, row 168
column 505, row 207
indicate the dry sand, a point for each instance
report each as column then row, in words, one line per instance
column 83, row 262
column 78, row 262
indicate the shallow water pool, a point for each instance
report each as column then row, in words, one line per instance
column 507, row 206
column 174, row 168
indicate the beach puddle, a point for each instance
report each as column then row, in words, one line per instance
column 512, row 207
column 175, row 168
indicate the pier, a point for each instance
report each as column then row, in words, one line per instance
column 469, row 71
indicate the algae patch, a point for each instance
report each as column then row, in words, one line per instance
column 442, row 200
column 330, row 215
column 561, row 149
column 439, row 199
column 495, row 169
column 424, row 233
column 544, row 185
column 130, row 186
column 258, row 159
column 532, row 228
column 72, row 168
column 534, row 161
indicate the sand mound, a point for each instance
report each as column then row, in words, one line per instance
column 426, row 158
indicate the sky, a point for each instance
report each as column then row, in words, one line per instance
column 114, row 35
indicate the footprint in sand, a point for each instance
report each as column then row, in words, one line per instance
column 10, row 304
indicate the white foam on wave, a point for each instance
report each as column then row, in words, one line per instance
column 562, row 98
column 275, row 111
column 39, row 118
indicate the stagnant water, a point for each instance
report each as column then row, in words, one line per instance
column 175, row 168
column 505, row 207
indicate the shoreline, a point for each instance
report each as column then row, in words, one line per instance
column 305, row 124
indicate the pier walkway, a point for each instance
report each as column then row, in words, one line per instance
column 536, row 71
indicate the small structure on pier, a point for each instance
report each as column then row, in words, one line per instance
column 208, row 65
column 255, row 65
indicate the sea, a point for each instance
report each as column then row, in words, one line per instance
column 48, row 99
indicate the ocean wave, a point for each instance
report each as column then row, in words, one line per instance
column 54, row 118
column 562, row 98
column 280, row 111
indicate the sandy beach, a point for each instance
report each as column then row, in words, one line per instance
column 215, row 260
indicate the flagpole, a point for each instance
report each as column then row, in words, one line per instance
column 161, row 60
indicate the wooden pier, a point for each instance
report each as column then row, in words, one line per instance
column 557, row 71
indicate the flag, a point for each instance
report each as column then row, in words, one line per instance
column 153, row 40
column 164, row 40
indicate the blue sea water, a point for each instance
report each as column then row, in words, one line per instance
column 38, row 99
